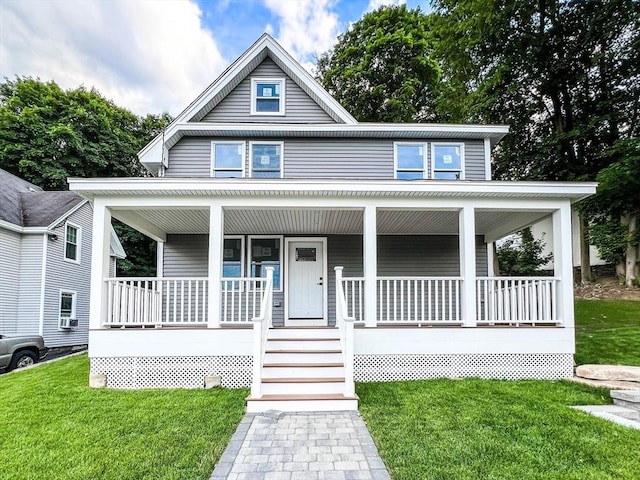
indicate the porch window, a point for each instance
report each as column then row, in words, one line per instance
column 227, row 159
column 410, row 160
column 72, row 243
column 232, row 257
column 266, row 159
column 448, row 159
column 266, row 252
column 267, row 96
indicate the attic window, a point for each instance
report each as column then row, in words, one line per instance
column 267, row 96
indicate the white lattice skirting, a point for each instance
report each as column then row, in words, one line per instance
column 173, row 372
column 508, row 366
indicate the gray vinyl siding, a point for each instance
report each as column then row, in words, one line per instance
column 9, row 279
column 299, row 107
column 316, row 158
column 68, row 276
column 30, row 283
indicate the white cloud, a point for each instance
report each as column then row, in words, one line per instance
column 146, row 56
column 306, row 29
column 376, row 4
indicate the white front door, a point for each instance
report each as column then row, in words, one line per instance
column 306, row 282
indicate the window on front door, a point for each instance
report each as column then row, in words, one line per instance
column 266, row 252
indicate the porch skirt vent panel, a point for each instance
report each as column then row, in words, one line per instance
column 385, row 368
column 173, row 372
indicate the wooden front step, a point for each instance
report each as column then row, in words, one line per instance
column 302, row 403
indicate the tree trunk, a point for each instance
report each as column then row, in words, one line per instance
column 585, row 258
column 631, row 270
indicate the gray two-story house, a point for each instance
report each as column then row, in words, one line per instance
column 300, row 250
column 45, row 262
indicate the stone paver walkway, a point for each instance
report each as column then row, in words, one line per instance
column 301, row 446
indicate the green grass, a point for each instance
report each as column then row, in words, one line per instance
column 607, row 332
column 54, row 426
column 485, row 429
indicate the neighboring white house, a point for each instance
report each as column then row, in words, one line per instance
column 300, row 250
column 45, row 262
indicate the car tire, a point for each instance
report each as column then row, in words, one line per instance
column 22, row 359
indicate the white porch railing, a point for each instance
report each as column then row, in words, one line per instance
column 139, row 301
column 344, row 322
column 517, row 300
column 423, row 300
column 261, row 325
column 241, row 299
column 353, row 288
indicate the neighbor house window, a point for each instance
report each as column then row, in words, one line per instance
column 448, row 160
column 67, row 305
column 227, row 159
column 266, row 252
column 410, row 160
column 72, row 242
column 266, row 159
column 232, row 257
column 267, row 96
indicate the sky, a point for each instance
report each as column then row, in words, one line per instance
column 154, row 56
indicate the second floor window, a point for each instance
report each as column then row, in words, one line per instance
column 227, row 159
column 267, row 96
column 410, row 160
column 72, row 243
column 448, row 159
column 266, row 160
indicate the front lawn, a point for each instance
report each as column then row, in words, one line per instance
column 490, row 429
column 54, row 426
column 607, row 332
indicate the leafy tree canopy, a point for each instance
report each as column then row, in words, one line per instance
column 381, row 69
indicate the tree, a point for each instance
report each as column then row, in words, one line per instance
column 381, row 69
column 564, row 75
column 48, row 134
column 522, row 255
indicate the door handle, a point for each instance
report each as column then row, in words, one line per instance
column 320, row 282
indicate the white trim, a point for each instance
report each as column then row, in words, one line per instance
column 100, row 238
column 490, row 259
column 67, row 214
column 281, row 96
column 467, row 248
column 252, row 143
column 25, row 230
column 243, row 257
column 78, row 244
column 212, row 163
column 74, row 305
column 214, row 263
column 452, row 170
column 43, row 284
column 370, row 264
column 325, row 273
column 159, row 259
column 249, row 256
column 423, row 145
column 487, row 159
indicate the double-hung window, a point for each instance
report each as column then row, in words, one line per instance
column 233, row 256
column 227, row 159
column 266, row 159
column 447, row 161
column 72, row 242
column 67, row 305
column 410, row 160
column 267, row 96
column 266, row 251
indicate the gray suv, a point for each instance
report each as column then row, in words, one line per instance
column 18, row 351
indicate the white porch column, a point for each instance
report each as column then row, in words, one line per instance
column 100, row 241
column 563, row 263
column 370, row 264
column 216, row 235
column 467, row 239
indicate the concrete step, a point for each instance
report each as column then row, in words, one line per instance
column 302, row 403
column 626, row 398
column 612, row 413
column 302, row 370
column 299, row 386
column 303, row 344
column 302, row 356
column 303, row 332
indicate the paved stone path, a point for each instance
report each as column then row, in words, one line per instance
column 301, row 446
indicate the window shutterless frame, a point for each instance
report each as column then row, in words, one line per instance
column 456, row 169
column 72, row 242
column 223, row 167
column 404, row 169
column 250, row 239
column 265, row 168
column 268, row 96
column 229, row 256
column 67, row 304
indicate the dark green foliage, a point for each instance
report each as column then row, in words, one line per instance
column 522, row 256
column 381, row 69
column 48, row 134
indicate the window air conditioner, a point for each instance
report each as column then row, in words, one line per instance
column 68, row 323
